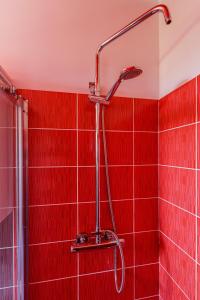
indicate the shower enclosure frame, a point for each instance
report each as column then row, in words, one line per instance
column 21, row 186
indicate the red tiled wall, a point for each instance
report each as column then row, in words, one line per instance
column 179, row 163
column 62, row 196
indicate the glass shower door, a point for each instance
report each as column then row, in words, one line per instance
column 11, row 198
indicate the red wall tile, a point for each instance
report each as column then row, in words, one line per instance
column 123, row 211
column 52, row 148
column 198, row 282
column 86, row 113
column 145, row 148
column 146, row 247
column 145, row 181
column 172, row 222
column 146, row 214
column 52, row 185
column 99, row 286
column 173, row 149
column 54, row 290
column 178, row 186
column 146, row 281
column 51, row 261
column 96, row 261
column 128, row 249
column 119, row 148
column 178, row 265
column 86, row 184
column 198, row 193
column 198, row 240
column 168, row 289
column 179, row 107
column 119, row 114
column 198, row 145
column 121, row 182
column 86, row 217
column 48, row 223
column 51, row 109
column 86, row 146
column 145, row 115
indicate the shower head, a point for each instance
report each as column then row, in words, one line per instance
column 130, row 73
column 127, row 73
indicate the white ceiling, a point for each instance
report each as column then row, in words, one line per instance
column 51, row 45
column 179, row 45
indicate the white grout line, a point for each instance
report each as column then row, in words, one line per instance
column 7, row 168
column 8, row 287
column 178, row 167
column 80, row 202
column 90, row 274
column 92, row 166
column 53, row 204
column 54, row 167
column 181, row 249
column 8, row 207
column 53, row 242
column 110, row 166
column 146, row 231
column 148, row 297
column 52, row 280
column 179, row 207
column 146, row 265
column 11, row 127
column 75, row 203
column 174, row 282
column 145, row 198
column 93, row 130
column 9, row 247
column 108, row 130
column 178, row 127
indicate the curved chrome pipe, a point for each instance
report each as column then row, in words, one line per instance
column 158, row 8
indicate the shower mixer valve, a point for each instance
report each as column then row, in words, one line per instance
column 85, row 241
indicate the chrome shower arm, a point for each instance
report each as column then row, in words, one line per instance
column 158, row 8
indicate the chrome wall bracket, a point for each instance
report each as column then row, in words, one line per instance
column 98, row 99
